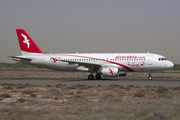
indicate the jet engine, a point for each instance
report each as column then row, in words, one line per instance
column 111, row 72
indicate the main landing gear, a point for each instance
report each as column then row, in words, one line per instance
column 150, row 77
column 91, row 77
column 98, row 76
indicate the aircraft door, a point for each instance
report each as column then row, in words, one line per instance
column 149, row 60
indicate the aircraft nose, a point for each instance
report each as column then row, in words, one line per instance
column 170, row 64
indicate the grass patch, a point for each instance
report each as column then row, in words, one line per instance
column 21, row 100
column 27, row 84
column 6, row 95
column 8, row 87
column 7, row 84
column 1, row 98
column 16, row 65
column 81, row 86
column 139, row 94
column 176, row 88
column 70, row 93
column 60, row 85
column 176, row 67
column 79, row 92
column 33, row 95
column 20, row 87
column 162, row 89
column 29, row 92
column 117, row 86
column 131, row 86
column 48, row 85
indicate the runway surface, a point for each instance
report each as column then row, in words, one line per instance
column 105, row 82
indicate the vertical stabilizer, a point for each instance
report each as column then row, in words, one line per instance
column 27, row 45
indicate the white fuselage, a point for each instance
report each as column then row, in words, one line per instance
column 129, row 62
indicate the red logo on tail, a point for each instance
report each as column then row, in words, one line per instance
column 26, row 40
column 111, row 71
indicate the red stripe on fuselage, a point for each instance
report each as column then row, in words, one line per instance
column 129, row 69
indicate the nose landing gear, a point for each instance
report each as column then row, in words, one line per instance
column 150, row 77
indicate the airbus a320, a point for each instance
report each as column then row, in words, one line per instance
column 106, row 64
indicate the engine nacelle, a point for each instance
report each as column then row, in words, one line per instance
column 112, row 72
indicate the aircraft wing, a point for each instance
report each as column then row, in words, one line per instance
column 85, row 64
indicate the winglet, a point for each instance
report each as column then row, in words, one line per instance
column 27, row 45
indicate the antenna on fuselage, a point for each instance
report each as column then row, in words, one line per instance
column 148, row 52
column 77, row 53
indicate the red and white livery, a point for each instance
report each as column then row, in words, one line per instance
column 106, row 64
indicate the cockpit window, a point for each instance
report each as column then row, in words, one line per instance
column 162, row 59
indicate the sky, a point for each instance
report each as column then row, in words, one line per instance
column 92, row 26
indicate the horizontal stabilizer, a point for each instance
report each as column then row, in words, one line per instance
column 20, row 58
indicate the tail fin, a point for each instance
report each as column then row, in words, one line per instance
column 27, row 45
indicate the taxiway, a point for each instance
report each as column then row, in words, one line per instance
column 105, row 82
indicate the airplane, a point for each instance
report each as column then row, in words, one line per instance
column 106, row 64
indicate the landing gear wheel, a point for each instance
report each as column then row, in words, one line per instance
column 150, row 78
column 98, row 76
column 91, row 77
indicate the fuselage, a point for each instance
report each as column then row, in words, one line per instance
column 129, row 62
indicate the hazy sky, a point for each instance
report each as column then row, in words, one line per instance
column 92, row 26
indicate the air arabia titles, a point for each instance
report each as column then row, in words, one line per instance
column 130, row 57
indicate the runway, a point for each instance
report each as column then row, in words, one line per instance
column 105, row 82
